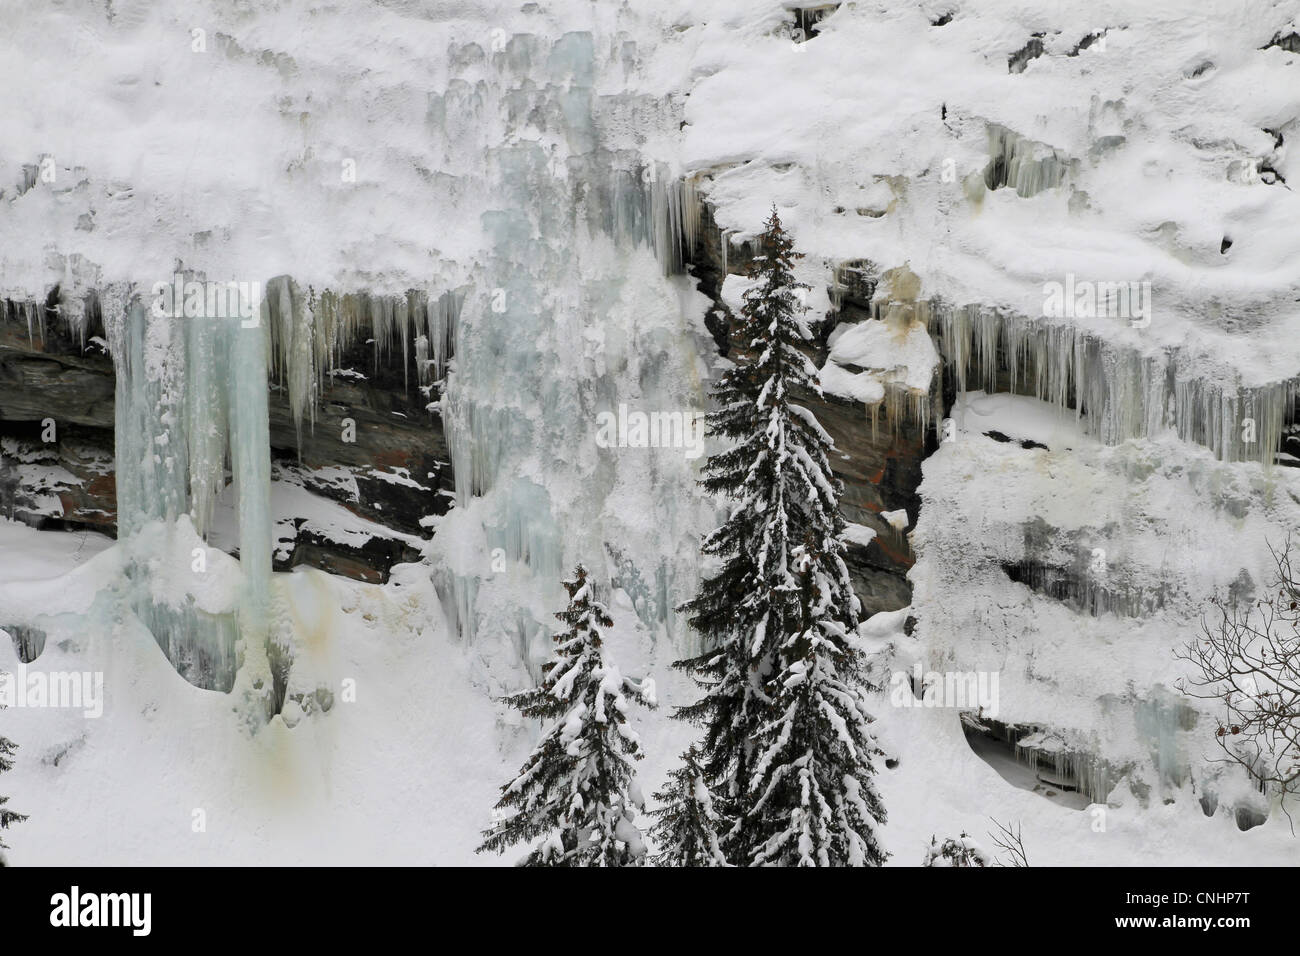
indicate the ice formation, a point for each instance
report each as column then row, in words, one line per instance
column 1117, row 391
column 520, row 186
column 569, row 315
column 1083, row 552
column 190, row 397
column 309, row 332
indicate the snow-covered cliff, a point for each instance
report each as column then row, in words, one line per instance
column 1053, row 260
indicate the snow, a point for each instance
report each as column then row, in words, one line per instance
column 733, row 291
column 1148, row 193
column 1171, row 526
column 862, row 387
column 858, row 534
column 1018, row 417
column 47, row 556
column 1128, row 166
column 412, row 745
column 515, row 163
column 906, row 355
column 423, row 743
column 291, row 504
column 895, row 519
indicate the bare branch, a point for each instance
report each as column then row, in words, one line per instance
column 1011, row 842
column 1248, row 660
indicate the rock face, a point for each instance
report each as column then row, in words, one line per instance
column 56, row 421
column 881, row 473
column 35, row 384
column 374, row 448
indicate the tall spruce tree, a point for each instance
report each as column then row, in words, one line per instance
column 686, row 824
column 816, row 803
column 782, row 706
column 575, row 789
column 7, row 817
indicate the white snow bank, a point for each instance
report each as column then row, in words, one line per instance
column 862, row 387
column 1018, row 417
column 858, row 534
column 886, row 352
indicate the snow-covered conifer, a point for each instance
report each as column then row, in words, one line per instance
column 575, row 794
column 7, row 817
column 787, row 751
column 962, row 851
column 686, row 823
column 815, row 802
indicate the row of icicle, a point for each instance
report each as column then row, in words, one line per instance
column 1115, row 392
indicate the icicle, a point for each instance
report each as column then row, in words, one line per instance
column 206, row 416
column 442, row 320
column 421, row 360
column 250, row 450
column 1115, row 393
column 325, row 332
column 401, row 320
column 1026, row 166
column 188, row 389
column 655, row 208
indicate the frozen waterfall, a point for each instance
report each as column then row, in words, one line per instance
column 191, row 396
column 575, row 307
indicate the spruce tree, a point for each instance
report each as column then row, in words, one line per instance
column 816, row 802
column 575, row 790
column 686, row 824
column 733, row 607
column 786, row 745
column 7, row 817
column 962, row 851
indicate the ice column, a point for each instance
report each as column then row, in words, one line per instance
column 564, row 321
column 191, row 394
